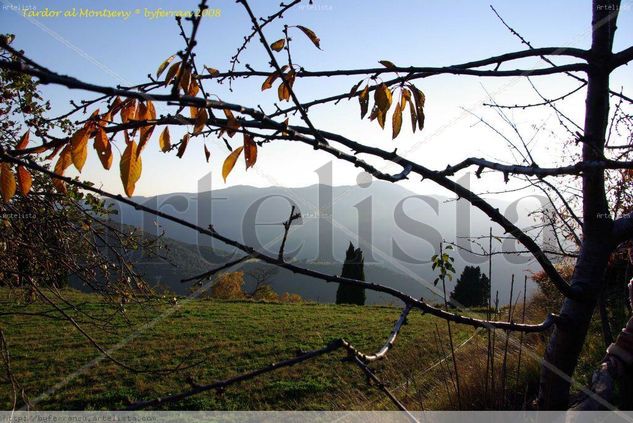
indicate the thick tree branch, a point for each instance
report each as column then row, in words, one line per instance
column 380, row 354
column 622, row 58
column 431, row 70
column 623, row 229
column 575, row 169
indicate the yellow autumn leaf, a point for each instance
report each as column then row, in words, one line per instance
column 229, row 162
column 382, row 117
column 79, row 148
column 63, row 163
column 164, row 65
column 104, row 148
column 382, row 97
column 7, row 182
column 171, row 73
column 131, row 168
column 164, row 141
column 25, row 180
column 278, row 45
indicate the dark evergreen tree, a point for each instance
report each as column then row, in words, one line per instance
column 353, row 268
column 472, row 289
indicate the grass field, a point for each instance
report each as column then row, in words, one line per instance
column 225, row 338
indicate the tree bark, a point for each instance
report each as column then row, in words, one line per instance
column 566, row 343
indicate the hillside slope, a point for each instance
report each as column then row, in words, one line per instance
column 225, row 339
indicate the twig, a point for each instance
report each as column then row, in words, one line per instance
column 382, row 387
column 293, row 216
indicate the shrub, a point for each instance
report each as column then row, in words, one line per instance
column 265, row 292
column 228, row 286
column 290, row 298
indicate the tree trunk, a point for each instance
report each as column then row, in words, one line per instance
column 566, row 343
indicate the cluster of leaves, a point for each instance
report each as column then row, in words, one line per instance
column 288, row 73
column 21, row 106
column 229, row 286
column 383, row 99
column 444, row 262
column 49, row 238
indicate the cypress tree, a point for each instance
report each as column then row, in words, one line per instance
column 472, row 289
column 353, row 268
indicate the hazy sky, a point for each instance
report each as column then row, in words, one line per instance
column 353, row 34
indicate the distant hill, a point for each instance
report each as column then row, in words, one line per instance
column 178, row 260
column 397, row 229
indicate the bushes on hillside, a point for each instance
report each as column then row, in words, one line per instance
column 229, row 286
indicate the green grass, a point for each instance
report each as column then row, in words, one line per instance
column 225, row 337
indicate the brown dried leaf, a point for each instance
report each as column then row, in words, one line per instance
column 396, row 122
column 24, row 141
column 311, row 35
column 232, row 123
column 387, row 64
column 164, row 141
column 278, row 45
column 201, row 120
column 363, row 99
column 183, row 146
column 212, row 71
column 268, row 83
column 250, row 151
column 25, row 180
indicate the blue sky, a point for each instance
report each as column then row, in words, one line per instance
column 353, row 34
